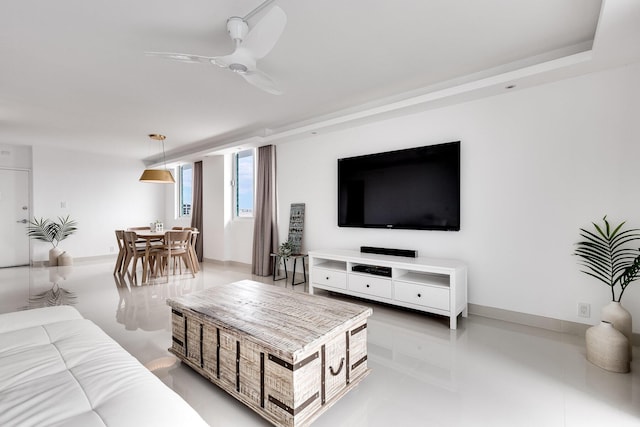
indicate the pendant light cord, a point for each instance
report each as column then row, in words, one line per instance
column 164, row 157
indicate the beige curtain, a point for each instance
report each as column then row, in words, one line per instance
column 265, row 231
column 196, row 209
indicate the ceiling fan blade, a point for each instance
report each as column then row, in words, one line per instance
column 264, row 35
column 240, row 56
column 182, row 57
column 262, row 81
column 222, row 61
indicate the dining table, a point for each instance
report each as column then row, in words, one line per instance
column 151, row 236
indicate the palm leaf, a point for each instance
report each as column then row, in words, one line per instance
column 50, row 231
column 606, row 254
column 629, row 275
column 41, row 229
column 66, row 227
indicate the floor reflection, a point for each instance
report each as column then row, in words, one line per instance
column 485, row 373
column 421, row 354
column 56, row 294
column 144, row 306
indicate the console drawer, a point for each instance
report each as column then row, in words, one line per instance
column 424, row 295
column 327, row 277
column 366, row 284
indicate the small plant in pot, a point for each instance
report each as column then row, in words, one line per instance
column 284, row 251
column 52, row 232
column 612, row 256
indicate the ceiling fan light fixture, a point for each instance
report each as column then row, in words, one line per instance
column 159, row 176
column 238, row 68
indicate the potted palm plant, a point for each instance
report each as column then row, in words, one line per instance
column 52, row 232
column 612, row 256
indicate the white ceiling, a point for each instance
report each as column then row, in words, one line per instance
column 74, row 73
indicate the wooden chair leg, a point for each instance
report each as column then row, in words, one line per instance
column 134, row 270
column 119, row 261
column 187, row 260
column 125, row 263
column 145, row 269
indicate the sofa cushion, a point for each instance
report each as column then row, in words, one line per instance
column 57, row 368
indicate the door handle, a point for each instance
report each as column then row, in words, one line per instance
column 24, row 221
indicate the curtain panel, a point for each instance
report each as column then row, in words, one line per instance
column 265, row 231
column 196, row 209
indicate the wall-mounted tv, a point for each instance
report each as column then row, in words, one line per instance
column 417, row 189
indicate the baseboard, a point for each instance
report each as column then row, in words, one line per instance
column 226, row 263
column 78, row 260
column 280, row 273
column 536, row 321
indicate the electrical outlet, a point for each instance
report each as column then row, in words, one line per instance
column 584, row 309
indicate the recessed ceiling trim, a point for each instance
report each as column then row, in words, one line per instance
column 338, row 120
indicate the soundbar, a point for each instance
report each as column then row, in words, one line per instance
column 389, row 251
column 372, row 269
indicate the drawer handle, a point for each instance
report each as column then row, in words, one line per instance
column 419, row 295
column 327, row 277
column 339, row 368
column 367, row 285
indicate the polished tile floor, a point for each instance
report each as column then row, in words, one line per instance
column 487, row 373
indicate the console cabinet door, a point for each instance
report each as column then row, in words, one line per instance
column 370, row 285
column 422, row 295
column 327, row 277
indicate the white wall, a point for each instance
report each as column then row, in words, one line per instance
column 15, row 156
column 241, row 238
column 213, row 209
column 225, row 238
column 537, row 164
column 101, row 192
column 171, row 202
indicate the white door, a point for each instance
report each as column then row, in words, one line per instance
column 14, row 216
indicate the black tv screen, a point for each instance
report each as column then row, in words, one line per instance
column 416, row 188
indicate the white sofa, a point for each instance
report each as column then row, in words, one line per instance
column 57, row 368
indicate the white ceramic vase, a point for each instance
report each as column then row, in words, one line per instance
column 64, row 259
column 620, row 318
column 608, row 348
column 54, row 253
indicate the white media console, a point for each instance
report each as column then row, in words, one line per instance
column 427, row 284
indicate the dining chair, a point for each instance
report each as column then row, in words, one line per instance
column 192, row 248
column 135, row 251
column 176, row 246
column 122, row 252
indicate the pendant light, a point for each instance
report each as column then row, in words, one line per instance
column 162, row 176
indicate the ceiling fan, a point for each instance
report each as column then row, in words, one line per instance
column 250, row 47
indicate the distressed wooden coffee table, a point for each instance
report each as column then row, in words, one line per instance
column 287, row 355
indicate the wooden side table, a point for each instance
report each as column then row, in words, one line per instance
column 295, row 258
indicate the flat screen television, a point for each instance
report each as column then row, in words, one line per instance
column 416, row 189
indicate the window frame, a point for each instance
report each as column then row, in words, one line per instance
column 180, row 187
column 236, row 184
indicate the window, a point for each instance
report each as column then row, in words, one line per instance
column 243, row 192
column 185, row 184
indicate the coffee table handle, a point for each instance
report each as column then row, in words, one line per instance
column 339, row 368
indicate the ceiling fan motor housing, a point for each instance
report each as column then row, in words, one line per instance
column 237, row 28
